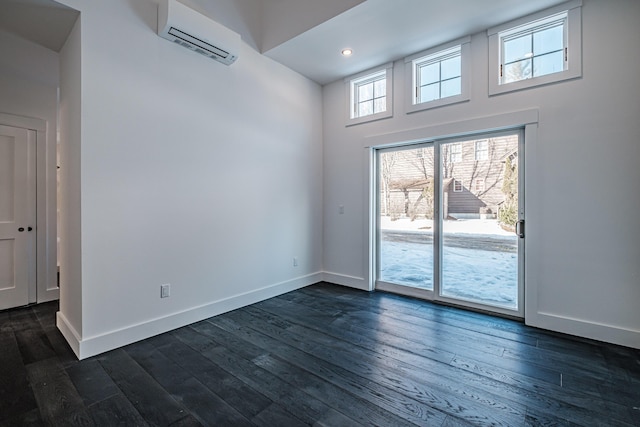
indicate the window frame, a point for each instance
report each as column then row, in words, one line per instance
column 411, row 81
column 476, row 151
column 458, row 152
column 476, row 187
column 355, row 81
column 455, row 181
column 573, row 44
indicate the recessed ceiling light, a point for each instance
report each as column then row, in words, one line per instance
column 347, row 52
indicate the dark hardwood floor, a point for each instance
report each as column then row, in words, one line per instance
column 323, row 356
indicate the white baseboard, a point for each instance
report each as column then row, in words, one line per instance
column 68, row 332
column 91, row 346
column 344, row 280
column 585, row 329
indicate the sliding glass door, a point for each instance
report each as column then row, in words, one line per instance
column 447, row 214
column 406, row 212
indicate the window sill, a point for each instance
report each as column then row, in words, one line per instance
column 497, row 89
column 369, row 118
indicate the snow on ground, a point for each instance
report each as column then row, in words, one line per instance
column 468, row 273
column 467, row 226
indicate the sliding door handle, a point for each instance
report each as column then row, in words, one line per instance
column 520, row 228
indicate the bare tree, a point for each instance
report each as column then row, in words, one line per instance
column 388, row 161
column 406, row 186
column 423, row 161
column 447, row 164
column 483, row 169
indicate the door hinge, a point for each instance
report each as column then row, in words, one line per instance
column 566, row 54
column 500, row 70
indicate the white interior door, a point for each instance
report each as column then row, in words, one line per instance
column 17, row 216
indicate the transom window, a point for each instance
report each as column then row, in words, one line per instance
column 455, row 155
column 438, row 76
column 535, row 49
column 369, row 95
column 482, row 149
column 542, row 48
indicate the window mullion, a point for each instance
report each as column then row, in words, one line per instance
column 440, row 80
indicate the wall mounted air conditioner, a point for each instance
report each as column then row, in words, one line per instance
column 188, row 28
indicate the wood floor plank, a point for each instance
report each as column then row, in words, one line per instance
column 274, row 415
column 205, row 406
column 569, row 362
column 201, row 402
column 115, row 410
column 60, row 346
column 436, row 391
column 55, row 393
column 153, row 402
column 239, row 395
column 433, row 313
column 24, row 419
column 368, row 385
column 80, row 418
column 238, row 361
column 22, row 319
column 384, row 302
column 579, row 408
column 34, row 344
column 349, row 332
column 489, row 326
column 16, row 394
column 187, row 421
column 446, row 342
column 533, row 368
column 324, row 355
column 339, row 396
column 564, row 401
column 91, row 381
column 429, row 330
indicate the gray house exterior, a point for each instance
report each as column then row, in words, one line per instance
column 472, row 172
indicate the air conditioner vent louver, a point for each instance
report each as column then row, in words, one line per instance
column 190, row 29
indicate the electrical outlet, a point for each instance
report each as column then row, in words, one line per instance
column 165, row 290
column 341, row 209
column 295, row 261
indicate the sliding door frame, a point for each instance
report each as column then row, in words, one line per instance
column 435, row 294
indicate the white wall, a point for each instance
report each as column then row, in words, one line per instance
column 29, row 88
column 70, row 314
column 582, row 179
column 192, row 173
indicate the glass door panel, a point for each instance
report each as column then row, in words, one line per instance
column 406, row 206
column 479, row 180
